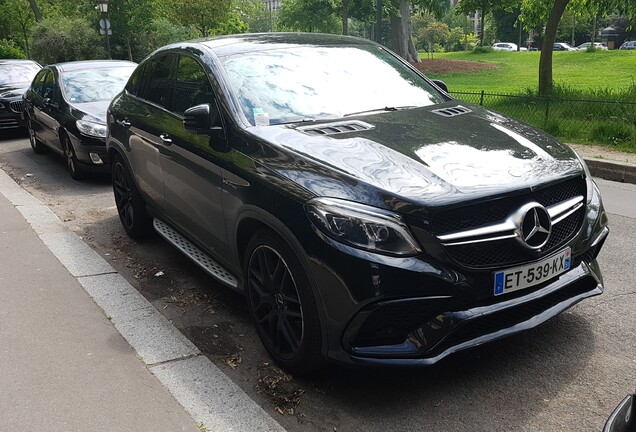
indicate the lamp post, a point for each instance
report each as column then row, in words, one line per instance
column 104, row 23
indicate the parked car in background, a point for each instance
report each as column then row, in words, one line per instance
column 507, row 46
column 368, row 217
column 628, row 45
column 562, row 46
column 65, row 109
column 586, row 45
column 15, row 77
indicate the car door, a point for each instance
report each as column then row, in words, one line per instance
column 193, row 183
column 139, row 119
column 45, row 102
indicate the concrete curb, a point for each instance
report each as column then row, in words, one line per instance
column 615, row 171
column 207, row 394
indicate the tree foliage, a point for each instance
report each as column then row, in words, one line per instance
column 61, row 39
column 9, row 50
column 310, row 15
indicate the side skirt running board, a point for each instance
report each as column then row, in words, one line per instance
column 195, row 254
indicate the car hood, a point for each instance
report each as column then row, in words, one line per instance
column 91, row 111
column 12, row 91
column 420, row 156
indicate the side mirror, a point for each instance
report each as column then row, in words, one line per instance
column 202, row 119
column 441, row 84
column 623, row 419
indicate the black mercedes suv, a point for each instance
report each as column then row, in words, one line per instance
column 367, row 216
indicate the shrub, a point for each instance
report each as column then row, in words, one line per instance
column 482, row 50
column 60, row 39
column 8, row 50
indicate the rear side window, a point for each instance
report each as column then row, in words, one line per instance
column 192, row 86
column 157, row 84
column 38, row 82
column 48, row 87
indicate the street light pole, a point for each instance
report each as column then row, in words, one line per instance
column 104, row 23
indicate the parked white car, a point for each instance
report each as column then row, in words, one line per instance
column 507, row 46
column 562, row 46
column 586, row 45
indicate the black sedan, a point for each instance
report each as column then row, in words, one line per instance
column 65, row 110
column 15, row 77
column 368, row 217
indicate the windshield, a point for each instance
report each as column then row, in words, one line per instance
column 92, row 85
column 310, row 83
column 17, row 74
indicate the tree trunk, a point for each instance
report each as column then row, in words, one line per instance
column 130, row 57
column 36, row 10
column 593, row 31
column 401, row 40
column 345, row 17
column 545, row 61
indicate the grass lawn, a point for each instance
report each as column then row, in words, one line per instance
column 517, row 71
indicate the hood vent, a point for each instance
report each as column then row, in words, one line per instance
column 452, row 112
column 336, row 128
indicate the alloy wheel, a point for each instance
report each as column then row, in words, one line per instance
column 275, row 302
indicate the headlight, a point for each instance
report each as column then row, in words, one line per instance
column 361, row 226
column 91, row 129
column 590, row 185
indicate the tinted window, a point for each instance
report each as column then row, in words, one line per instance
column 97, row 84
column 38, row 82
column 133, row 84
column 48, row 86
column 157, row 81
column 192, row 86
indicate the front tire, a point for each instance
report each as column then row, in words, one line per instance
column 72, row 165
column 36, row 145
column 282, row 304
column 130, row 205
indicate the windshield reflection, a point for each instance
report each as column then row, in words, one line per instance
column 18, row 75
column 92, row 85
column 312, row 83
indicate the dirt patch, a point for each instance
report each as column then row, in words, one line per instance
column 444, row 66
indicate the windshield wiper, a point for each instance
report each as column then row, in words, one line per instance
column 379, row 110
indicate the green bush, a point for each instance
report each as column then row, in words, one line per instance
column 60, row 39
column 482, row 50
column 8, row 50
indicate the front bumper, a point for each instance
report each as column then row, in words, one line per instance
column 88, row 150
column 418, row 310
column 11, row 114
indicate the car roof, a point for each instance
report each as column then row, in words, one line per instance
column 91, row 64
column 242, row 43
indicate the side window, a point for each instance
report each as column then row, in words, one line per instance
column 48, row 86
column 192, row 86
column 156, row 85
column 38, row 82
column 133, row 83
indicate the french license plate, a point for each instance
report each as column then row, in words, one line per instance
column 521, row 277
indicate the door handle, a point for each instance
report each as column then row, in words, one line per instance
column 124, row 122
column 165, row 138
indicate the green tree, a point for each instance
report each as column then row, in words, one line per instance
column 551, row 11
column 485, row 7
column 9, row 50
column 207, row 16
column 20, row 19
column 309, row 15
column 60, row 39
column 433, row 34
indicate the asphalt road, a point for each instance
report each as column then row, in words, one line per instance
column 566, row 375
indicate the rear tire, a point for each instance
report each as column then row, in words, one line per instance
column 130, row 205
column 282, row 304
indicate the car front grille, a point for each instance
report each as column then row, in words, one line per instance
column 16, row 106
column 510, row 251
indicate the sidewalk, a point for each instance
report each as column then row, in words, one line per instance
column 82, row 350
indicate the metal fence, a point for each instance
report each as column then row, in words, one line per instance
column 597, row 121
